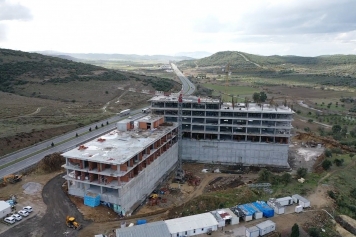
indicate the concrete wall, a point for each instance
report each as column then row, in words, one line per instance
column 148, row 179
column 248, row 153
column 138, row 188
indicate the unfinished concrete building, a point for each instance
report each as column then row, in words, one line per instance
column 125, row 165
column 215, row 132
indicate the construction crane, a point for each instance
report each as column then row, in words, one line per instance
column 180, row 172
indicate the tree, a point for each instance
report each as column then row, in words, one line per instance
column 338, row 162
column 286, row 178
column 351, row 155
column 328, row 153
column 336, row 128
column 259, row 97
column 326, row 164
column 302, row 172
column 264, row 175
column 295, row 230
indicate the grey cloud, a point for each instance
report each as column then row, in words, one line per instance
column 302, row 17
column 10, row 11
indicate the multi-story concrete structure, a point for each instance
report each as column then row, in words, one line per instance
column 246, row 134
column 125, row 165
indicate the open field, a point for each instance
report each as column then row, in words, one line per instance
column 240, row 91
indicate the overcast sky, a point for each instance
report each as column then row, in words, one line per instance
column 295, row 27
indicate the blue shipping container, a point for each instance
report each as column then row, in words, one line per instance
column 141, row 222
column 264, row 208
column 92, row 201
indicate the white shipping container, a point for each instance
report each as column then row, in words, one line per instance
column 279, row 209
column 247, row 218
column 266, row 227
column 258, row 215
column 252, row 232
column 285, row 201
column 301, row 200
column 298, row 209
column 5, row 208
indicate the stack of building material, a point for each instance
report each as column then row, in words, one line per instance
column 301, row 200
column 264, row 208
column 266, row 227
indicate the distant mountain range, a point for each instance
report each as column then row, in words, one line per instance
column 114, row 57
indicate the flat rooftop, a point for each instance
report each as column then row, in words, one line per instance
column 117, row 147
column 187, row 99
column 252, row 107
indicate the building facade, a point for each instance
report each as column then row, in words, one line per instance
column 125, row 165
column 215, row 132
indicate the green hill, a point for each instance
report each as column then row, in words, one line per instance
column 19, row 68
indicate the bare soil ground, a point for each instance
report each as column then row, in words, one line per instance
column 49, row 221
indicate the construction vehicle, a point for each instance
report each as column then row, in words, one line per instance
column 153, row 196
column 12, row 178
column 71, row 223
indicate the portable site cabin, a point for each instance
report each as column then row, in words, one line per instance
column 257, row 214
column 264, row 208
column 285, row 201
column 298, row 209
column 192, row 225
column 301, row 200
column 266, row 227
column 234, row 218
column 277, row 207
column 157, row 229
column 219, row 219
column 5, row 208
column 252, row 232
column 248, row 211
column 238, row 212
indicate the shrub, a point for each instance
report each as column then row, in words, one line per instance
column 302, row 172
column 326, row 164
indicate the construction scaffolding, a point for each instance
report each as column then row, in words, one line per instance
column 180, row 172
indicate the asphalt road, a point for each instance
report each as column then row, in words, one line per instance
column 188, row 87
column 65, row 142
column 69, row 140
column 52, row 224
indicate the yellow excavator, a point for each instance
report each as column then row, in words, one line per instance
column 71, row 223
column 12, row 178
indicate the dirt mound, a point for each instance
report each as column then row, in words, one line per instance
column 51, row 163
column 326, row 141
column 32, row 188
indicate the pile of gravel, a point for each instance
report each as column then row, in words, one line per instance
column 32, row 188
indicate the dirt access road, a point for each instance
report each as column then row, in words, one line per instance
column 52, row 224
